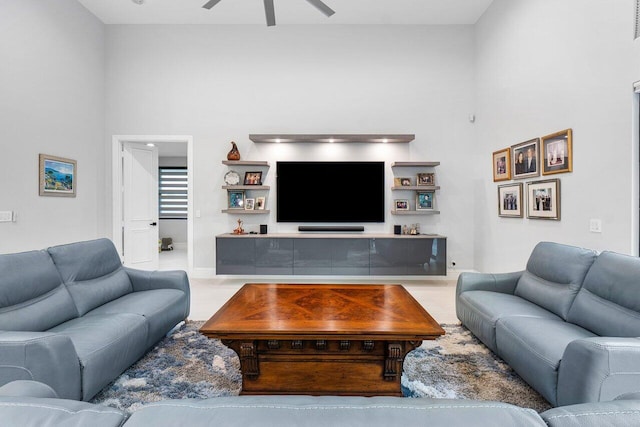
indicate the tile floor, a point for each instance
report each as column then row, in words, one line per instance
column 437, row 295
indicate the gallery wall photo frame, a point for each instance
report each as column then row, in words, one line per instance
column 426, row 179
column 401, row 204
column 253, row 178
column 557, row 150
column 525, row 159
column 235, row 199
column 510, row 201
column 402, row 181
column 58, row 176
column 502, row 165
column 543, row 199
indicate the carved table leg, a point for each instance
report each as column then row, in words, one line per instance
column 393, row 362
column 249, row 360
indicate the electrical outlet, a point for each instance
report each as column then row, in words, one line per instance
column 6, row 216
column 595, row 226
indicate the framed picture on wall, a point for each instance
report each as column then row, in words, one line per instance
column 253, row 178
column 526, row 159
column 236, row 199
column 249, row 204
column 557, row 150
column 510, row 200
column 402, row 182
column 261, row 202
column 543, row 199
column 502, row 165
column 58, row 176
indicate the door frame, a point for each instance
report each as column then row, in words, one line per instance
column 117, row 142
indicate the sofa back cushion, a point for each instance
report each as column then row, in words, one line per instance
column 554, row 275
column 92, row 271
column 609, row 302
column 32, row 296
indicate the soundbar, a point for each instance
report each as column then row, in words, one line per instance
column 331, row 228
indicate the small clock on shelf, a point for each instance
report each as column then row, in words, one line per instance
column 232, row 178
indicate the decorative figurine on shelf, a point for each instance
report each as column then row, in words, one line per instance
column 405, row 229
column 239, row 230
column 234, row 154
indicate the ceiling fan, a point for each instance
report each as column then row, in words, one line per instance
column 270, row 12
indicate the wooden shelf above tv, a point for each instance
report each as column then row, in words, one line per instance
column 415, row 164
column 332, row 138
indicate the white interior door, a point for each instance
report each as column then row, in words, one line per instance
column 140, row 207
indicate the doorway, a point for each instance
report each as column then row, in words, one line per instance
column 168, row 146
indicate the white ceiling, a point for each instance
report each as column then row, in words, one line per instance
column 404, row 12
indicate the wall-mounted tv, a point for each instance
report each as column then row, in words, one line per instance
column 316, row 192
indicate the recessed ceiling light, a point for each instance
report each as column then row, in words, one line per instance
column 151, row 144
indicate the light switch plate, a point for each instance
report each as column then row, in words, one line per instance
column 6, row 216
column 595, row 226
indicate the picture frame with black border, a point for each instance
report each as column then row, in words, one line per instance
column 525, row 159
column 235, row 199
column 253, row 178
column 425, row 200
column 510, row 201
column 543, row 199
column 557, row 149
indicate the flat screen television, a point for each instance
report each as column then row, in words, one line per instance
column 316, row 192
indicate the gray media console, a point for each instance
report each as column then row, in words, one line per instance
column 331, row 254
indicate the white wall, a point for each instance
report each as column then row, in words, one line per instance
column 222, row 83
column 545, row 66
column 52, row 102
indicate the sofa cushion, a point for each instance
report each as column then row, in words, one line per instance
column 609, row 302
column 554, row 275
column 480, row 310
column 92, row 271
column 39, row 412
column 601, row 414
column 533, row 347
column 321, row 411
column 106, row 344
column 163, row 309
column 32, row 296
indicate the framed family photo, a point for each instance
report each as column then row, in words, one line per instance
column 502, row 165
column 402, row 182
column 58, row 176
column 253, row 178
column 424, row 200
column 543, row 199
column 260, row 203
column 401, row 204
column 557, row 150
column 526, row 159
column 236, row 199
column 510, row 200
column 426, row 179
column 249, row 204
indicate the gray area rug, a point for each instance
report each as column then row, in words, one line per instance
column 189, row 365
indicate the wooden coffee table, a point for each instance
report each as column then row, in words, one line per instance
column 322, row 339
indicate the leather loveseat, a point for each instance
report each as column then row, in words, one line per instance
column 568, row 324
column 74, row 318
column 31, row 404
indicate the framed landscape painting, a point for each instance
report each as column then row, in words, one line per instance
column 58, row 176
column 510, row 200
column 557, row 151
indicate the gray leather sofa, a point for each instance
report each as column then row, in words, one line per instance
column 74, row 318
column 28, row 403
column 568, row 325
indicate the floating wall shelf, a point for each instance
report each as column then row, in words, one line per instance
column 337, row 138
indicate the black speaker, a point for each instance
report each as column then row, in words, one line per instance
column 263, row 228
column 397, row 229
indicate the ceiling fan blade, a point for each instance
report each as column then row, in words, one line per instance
column 211, row 3
column 270, row 13
column 322, row 7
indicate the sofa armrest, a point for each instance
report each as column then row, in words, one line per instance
column 41, row 356
column 149, row 280
column 504, row 282
column 615, row 413
column 27, row 388
column 598, row 369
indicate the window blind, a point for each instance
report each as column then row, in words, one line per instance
column 172, row 195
